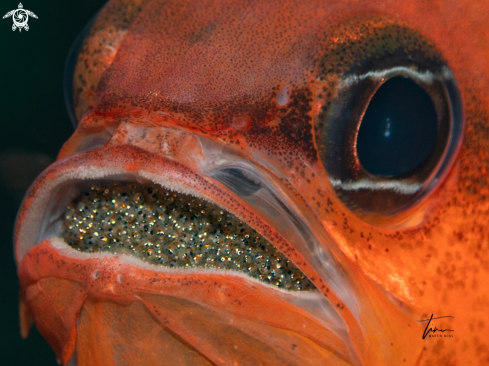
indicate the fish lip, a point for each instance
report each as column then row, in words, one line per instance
column 41, row 199
column 123, row 259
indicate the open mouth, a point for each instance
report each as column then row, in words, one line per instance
column 154, row 233
column 173, row 245
column 172, row 229
column 163, row 215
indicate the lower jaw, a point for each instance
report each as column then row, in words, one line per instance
column 63, row 288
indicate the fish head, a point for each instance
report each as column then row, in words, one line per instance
column 241, row 130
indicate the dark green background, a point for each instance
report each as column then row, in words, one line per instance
column 33, row 126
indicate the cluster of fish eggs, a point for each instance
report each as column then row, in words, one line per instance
column 166, row 228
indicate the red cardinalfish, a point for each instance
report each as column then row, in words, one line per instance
column 267, row 183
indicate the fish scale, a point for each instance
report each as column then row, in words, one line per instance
column 171, row 229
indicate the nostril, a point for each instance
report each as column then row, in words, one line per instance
column 283, row 96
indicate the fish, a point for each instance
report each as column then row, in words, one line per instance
column 265, row 183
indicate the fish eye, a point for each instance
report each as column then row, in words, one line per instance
column 399, row 129
column 392, row 128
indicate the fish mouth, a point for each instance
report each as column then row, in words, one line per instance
column 263, row 270
column 316, row 288
column 165, row 222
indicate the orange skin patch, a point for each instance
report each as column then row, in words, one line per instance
column 179, row 72
column 107, row 279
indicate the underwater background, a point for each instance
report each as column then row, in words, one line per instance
column 34, row 124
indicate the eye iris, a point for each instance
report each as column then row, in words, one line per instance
column 399, row 129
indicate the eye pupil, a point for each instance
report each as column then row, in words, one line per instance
column 399, row 129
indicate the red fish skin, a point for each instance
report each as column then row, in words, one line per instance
column 174, row 82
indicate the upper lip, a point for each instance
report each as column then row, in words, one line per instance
column 57, row 186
